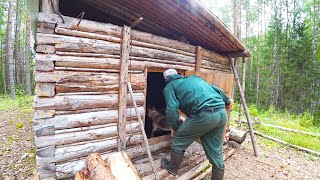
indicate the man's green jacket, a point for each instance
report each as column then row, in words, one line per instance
column 190, row 95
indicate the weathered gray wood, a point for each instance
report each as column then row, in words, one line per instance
column 74, row 137
column 70, row 81
column 44, row 66
column 124, row 60
column 45, row 89
column 41, row 114
column 47, row 28
column 46, row 152
column 82, row 120
column 77, row 54
column 88, row 62
column 44, row 131
column 47, row 171
column 68, row 169
column 47, row 49
column 78, row 102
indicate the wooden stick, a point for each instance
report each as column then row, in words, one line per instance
column 243, row 88
column 143, row 132
column 254, row 145
column 136, row 22
column 288, row 144
column 124, row 60
column 291, row 130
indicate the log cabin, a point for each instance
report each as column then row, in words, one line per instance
column 87, row 51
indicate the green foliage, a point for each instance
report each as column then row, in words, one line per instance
column 22, row 102
column 253, row 110
column 306, row 119
column 302, row 140
column 19, row 125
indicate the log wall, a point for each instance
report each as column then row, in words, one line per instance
column 77, row 74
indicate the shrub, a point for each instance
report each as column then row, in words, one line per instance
column 306, row 119
column 253, row 110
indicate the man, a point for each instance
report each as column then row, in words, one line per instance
column 205, row 105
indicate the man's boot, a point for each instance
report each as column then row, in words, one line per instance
column 217, row 173
column 173, row 165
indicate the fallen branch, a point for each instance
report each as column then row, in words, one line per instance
column 288, row 144
column 291, row 130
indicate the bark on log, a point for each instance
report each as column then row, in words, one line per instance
column 113, row 30
column 121, row 166
column 79, row 102
column 68, row 169
column 237, row 135
column 41, row 114
column 46, row 28
column 44, row 66
column 98, row 169
column 69, row 81
column 82, row 175
column 75, row 137
column 84, row 119
column 88, row 62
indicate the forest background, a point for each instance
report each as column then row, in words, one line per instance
column 283, row 72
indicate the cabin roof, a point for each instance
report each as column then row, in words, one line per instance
column 184, row 20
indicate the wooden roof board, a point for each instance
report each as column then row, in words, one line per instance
column 184, row 20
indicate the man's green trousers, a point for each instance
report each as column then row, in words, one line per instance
column 208, row 126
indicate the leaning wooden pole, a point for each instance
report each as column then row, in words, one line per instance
column 243, row 88
column 245, row 107
column 143, row 132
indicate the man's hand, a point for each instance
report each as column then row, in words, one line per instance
column 228, row 108
column 172, row 132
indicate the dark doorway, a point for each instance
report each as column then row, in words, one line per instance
column 155, row 101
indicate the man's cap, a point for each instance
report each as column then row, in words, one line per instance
column 169, row 72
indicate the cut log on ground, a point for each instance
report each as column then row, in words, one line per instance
column 237, row 135
column 117, row 166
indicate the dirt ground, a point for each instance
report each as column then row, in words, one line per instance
column 17, row 155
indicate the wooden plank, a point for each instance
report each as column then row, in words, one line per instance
column 124, row 61
column 198, row 59
column 229, row 85
column 45, row 89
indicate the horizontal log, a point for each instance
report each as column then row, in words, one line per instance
column 74, row 137
column 70, row 32
column 69, row 81
column 77, row 54
column 47, row 28
column 237, row 136
column 44, row 66
column 41, row 114
column 113, row 30
column 79, row 102
column 44, row 48
column 88, row 62
column 82, row 150
column 45, row 89
column 83, row 119
column 291, row 130
column 68, row 169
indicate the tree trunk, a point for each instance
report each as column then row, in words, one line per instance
column 9, row 48
column 16, row 52
column 27, row 57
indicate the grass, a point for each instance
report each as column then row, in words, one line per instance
column 22, row 102
column 301, row 122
